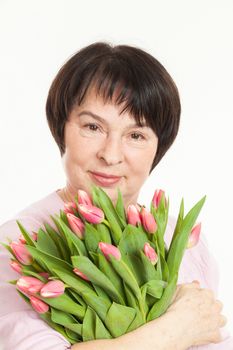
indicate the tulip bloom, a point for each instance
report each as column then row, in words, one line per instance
column 148, row 221
column 157, row 198
column 84, row 198
column 21, row 253
column 16, row 266
column 150, row 253
column 91, row 213
column 133, row 215
column 38, row 305
column 22, row 239
column 109, row 249
column 80, row 274
column 69, row 208
column 29, row 285
column 52, row 289
column 34, row 236
column 44, row 274
column 76, row 225
column 194, row 236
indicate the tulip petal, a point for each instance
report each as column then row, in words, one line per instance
column 38, row 305
column 52, row 289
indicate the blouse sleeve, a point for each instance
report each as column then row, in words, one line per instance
column 199, row 264
column 20, row 327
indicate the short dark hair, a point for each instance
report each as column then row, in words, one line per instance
column 141, row 82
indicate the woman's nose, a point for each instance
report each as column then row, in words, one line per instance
column 111, row 151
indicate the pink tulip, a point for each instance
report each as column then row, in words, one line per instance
column 52, row 289
column 157, row 198
column 16, row 266
column 44, row 274
column 38, row 305
column 92, row 214
column 133, row 215
column 150, row 253
column 194, row 236
column 69, row 208
column 84, row 198
column 80, row 274
column 22, row 239
column 21, row 253
column 148, row 221
column 109, row 249
column 76, row 225
column 34, row 236
column 29, row 285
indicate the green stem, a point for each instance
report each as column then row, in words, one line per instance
column 36, row 266
column 106, row 223
column 141, row 307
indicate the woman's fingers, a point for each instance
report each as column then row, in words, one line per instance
column 223, row 321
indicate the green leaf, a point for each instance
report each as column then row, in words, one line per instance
column 63, row 217
column 165, row 270
column 77, row 297
column 119, row 318
column 100, row 292
column 134, row 263
column 132, row 240
column 161, row 306
column 73, row 281
column 126, row 274
column 50, row 261
column 109, row 271
column 91, row 238
column 67, row 320
column 47, row 318
column 59, row 241
column 75, row 244
column 149, row 271
column 87, row 267
column 131, row 299
column 98, row 304
column 137, row 322
column 120, row 208
column 154, row 288
column 179, row 220
column 111, row 214
column 9, row 249
column 100, row 330
column 104, row 234
column 179, row 243
column 65, row 303
column 26, row 235
column 46, row 244
column 72, row 335
column 88, row 329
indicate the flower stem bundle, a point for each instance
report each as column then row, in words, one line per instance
column 104, row 270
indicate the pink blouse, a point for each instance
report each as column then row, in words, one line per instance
column 22, row 329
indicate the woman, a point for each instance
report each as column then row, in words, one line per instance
column 114, row 112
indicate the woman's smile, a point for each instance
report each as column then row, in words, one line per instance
column 104, row 180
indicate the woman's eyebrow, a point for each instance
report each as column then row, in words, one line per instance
column 100, row 119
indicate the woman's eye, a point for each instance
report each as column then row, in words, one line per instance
column 91, row 126
column 136, row 136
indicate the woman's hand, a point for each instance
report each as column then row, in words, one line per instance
column 198, row 313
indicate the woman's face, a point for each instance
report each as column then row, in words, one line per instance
column 107, row 149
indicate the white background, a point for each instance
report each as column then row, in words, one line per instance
column 194, row 41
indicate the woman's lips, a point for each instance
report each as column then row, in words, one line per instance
column 104, row 179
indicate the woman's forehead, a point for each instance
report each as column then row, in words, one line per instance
column 95, row 99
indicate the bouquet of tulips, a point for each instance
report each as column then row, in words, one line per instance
column 105, row 270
